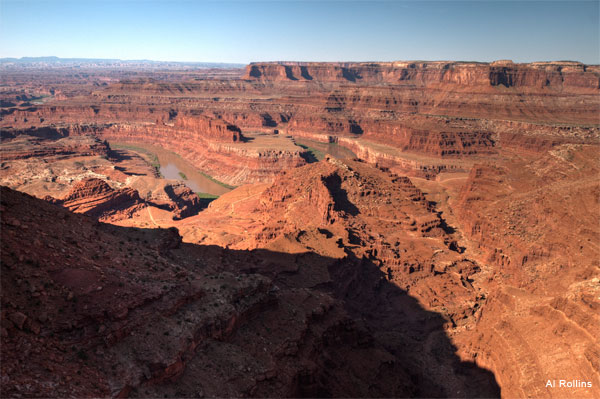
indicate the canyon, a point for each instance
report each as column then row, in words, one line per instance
column 391, row 229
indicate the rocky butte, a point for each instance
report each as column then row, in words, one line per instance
column 398, row 229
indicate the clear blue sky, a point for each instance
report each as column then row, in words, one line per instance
column 244, row 31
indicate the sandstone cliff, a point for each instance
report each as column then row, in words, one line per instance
column 184, row 320
column 535, row 221
column 567, row 76
column 225, row 159
column 437, row 109
column 94, row 197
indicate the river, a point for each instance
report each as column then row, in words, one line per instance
column 172, row 166
column 333, row 149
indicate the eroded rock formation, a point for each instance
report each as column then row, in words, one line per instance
column 435, row 110
column 536, row 223
column 535, row 76
column 456, row 254
column 96, row 198
column 184, row 320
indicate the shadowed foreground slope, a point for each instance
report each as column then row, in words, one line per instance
column 90, row 309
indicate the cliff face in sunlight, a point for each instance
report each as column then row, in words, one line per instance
column 212, row 320
column 562, row 76
column 399, row 229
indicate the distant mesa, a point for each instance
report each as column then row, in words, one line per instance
column 560, row 74
column 107, row 62
column 398, row 229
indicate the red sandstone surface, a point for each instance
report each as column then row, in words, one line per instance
column 138, row 313
column 437, row 111
column 457, row 255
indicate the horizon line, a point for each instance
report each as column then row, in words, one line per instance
column 506, row 60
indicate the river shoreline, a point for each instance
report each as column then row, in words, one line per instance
column 172, row 166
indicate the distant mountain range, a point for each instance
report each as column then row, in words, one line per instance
column 56, row 61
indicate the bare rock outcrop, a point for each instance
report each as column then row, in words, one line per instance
column 569, row 76
column 440, row 110
column 28, row 147
column 94, row 197
column 535, row 221
column 227, row 159
column 184, row 320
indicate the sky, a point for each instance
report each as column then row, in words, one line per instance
column 245, row 31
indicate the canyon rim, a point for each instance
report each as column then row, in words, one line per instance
column 300, row 229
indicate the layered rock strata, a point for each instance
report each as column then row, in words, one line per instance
column 568, row 76
column 94, row 197
column 224, row 158
column 185, row 320
column 535, row 222
column 437, row 109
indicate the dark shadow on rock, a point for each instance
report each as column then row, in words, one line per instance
column 205, row 202
column 52, row 133
column 349, row 75
column 367, row 337
column 355, row 128
column 382, row 316
column 119, row 155
column 268, row 120
column 124, row 170
column 445, row 226
column 304, row 73
column 254, row 72
column 501, row 76
column 414, row 335
column 289, row 73
column 340, row 197
column 308, row 155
